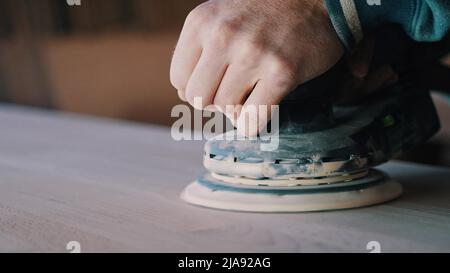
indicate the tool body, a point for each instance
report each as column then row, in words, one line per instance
column 326, row 152
column 327, row 166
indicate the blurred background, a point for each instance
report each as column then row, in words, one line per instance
column 111, row 58
column 104, row 57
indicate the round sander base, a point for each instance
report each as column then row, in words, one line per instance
column 375, row 189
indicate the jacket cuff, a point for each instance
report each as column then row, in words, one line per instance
column 398, row 11
column 352, row 18
column 346, row 21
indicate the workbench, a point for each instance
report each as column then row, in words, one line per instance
column 114, row 186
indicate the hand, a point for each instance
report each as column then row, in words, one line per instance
column 251, row 53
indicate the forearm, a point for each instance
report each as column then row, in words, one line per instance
column 422, row 20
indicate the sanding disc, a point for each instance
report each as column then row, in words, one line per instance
column 209, row 191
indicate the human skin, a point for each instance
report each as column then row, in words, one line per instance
column 247, row 53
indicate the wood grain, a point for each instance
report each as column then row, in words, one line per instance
column 114, row 186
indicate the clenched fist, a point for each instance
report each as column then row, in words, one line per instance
column 251, row 53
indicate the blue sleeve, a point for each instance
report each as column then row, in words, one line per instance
column 422, row 20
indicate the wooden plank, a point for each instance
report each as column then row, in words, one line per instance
column 114, row 186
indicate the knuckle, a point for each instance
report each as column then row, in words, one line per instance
column 200, row 14
column 249, row 54
column 284, row 72
column 282, row 79
column 286, row 66
column 218, row 42
column 192, row 18
column 229, row 26
column 223, row 33
column 254, row 47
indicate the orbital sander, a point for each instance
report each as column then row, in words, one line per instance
column 325, row 155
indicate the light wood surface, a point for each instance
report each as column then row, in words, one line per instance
column 114, row 186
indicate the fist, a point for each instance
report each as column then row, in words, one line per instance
column 244, row 53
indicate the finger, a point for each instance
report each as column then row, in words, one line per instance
column 181, row 95
column 361, row 57
column 185, row 58
column 256, row 111
column 205, row 80
column 233, row 90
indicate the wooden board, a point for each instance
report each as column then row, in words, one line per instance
column 114, row 186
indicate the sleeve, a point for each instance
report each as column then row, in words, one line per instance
column 422, row 20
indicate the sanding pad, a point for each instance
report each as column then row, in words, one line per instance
column 210, row 191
